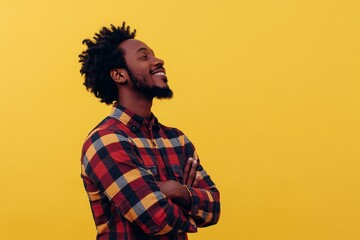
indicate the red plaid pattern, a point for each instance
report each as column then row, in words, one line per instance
column 121, row 160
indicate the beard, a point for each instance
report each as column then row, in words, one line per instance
column 150, row 92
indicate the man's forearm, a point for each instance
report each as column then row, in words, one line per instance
column 177, row 192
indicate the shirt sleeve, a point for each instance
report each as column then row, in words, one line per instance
column 205, row 199
column 110, row 162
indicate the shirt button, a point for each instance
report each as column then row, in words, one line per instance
column 134, row 128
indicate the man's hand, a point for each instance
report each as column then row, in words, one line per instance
column 176, row 192
column 191, row 177
column 172, row 189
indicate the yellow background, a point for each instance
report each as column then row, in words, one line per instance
column 268, row 91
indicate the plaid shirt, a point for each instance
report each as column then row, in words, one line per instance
column 121, row 160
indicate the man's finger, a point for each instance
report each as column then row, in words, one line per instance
column 197, row 179
column 187, row 170
column 192, row 173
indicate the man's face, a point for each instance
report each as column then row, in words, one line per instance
column 146, row 72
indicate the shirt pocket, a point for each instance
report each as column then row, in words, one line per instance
column 153, row 170
column 177, row 172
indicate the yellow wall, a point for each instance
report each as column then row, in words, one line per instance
column 268, row 91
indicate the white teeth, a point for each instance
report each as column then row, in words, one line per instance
column 159, row 73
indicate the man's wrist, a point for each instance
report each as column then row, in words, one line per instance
column 184, row 198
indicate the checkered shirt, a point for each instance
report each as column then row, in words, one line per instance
column 121, row 160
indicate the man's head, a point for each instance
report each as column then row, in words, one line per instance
column 145, row 72
column 114, row 59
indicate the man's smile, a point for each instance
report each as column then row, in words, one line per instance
column 160, row 73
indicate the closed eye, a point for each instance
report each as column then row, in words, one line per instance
column 143, row 57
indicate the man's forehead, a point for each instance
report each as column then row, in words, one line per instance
column 133, row 45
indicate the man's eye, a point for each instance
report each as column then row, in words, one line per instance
column 144, row 57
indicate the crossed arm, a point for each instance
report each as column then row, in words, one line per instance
column 177, row 191
column 158, row 208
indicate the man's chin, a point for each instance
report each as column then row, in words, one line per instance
column 163, row 93
column 157, row 92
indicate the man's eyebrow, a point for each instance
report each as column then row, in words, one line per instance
column 144, row 49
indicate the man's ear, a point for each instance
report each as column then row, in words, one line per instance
column 119, row 75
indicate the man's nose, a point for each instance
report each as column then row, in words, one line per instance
column 158, row 62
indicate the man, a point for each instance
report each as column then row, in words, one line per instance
column 143, row 179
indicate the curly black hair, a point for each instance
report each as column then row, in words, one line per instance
column 102, row 55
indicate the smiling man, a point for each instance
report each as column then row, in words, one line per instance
column 143, row 179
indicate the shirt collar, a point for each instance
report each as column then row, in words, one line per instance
column 130, row 119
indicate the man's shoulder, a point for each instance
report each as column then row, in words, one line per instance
column 173, row 132
column 107, row 126
column 170, row 129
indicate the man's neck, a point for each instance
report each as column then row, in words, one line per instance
column 139, row 104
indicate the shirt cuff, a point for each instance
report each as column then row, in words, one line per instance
column 194, row 200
